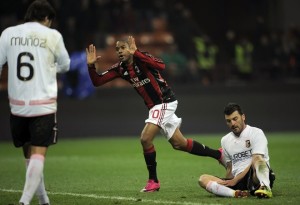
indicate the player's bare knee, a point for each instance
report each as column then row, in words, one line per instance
column 258, row 161
column 257, row 158
column 177, row 145
column 203, row 180
column 145, row 140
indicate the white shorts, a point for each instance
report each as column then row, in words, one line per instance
column 164, row 116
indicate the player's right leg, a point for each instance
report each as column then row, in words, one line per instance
column 211, row 184
column 147, row 137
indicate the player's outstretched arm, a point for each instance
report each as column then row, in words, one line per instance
column 131, row 45
column 91, row 55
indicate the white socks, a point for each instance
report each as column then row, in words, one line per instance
column 219, row 190
column 34, row 182
column 262, row 174
column 41, row 192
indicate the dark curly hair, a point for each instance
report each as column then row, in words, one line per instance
column 39, row 10
column 232, row 107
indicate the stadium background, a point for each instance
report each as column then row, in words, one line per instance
column 269, row 93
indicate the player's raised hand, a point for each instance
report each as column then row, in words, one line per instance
column 131, row 44
column 91, row 55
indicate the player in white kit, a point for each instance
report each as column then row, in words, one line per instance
column 247, row 158
column 34, row 53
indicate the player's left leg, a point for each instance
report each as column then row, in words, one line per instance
column 262, row 176
column 179, row 142
column 148, row 134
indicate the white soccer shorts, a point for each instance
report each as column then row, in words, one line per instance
column 164, row 116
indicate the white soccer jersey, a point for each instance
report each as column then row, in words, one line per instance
column 239, row 150
column 34, row 53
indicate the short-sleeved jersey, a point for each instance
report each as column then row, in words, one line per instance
column 239, row 150
column 34, row 54
column 143, row 75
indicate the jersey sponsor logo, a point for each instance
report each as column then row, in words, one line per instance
column 241, row 156
column 32, row 41
column 138, row 83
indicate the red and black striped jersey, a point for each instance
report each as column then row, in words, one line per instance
column 144, row 76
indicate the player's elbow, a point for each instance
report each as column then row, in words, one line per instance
column 95, row 84
column 62, row 68
column 162, row 66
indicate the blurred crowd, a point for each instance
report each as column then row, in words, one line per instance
column 192, row 55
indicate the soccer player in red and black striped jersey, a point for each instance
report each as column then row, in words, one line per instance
column 142, row 71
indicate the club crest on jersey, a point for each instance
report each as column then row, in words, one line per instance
column 137, row 70
column 123, row 71
column 248, row 144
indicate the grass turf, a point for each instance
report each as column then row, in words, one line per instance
column 112, row 171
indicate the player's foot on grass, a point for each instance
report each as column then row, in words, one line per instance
column 241, row 194
column 222, row 160
column 263, row 192
column 151, row 186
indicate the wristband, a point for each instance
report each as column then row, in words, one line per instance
column 91, row 65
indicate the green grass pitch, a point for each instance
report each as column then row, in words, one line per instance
column 112, row 171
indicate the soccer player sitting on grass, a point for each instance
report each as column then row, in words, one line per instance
column 142, row 71
column 246, row 154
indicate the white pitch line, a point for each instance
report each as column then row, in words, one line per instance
column 94, row 196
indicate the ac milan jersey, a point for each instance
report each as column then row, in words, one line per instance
column 239, row 150
column 34, row 53
column 143, row 75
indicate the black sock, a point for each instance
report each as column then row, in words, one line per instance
column 150, row 159
column 202, row 150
